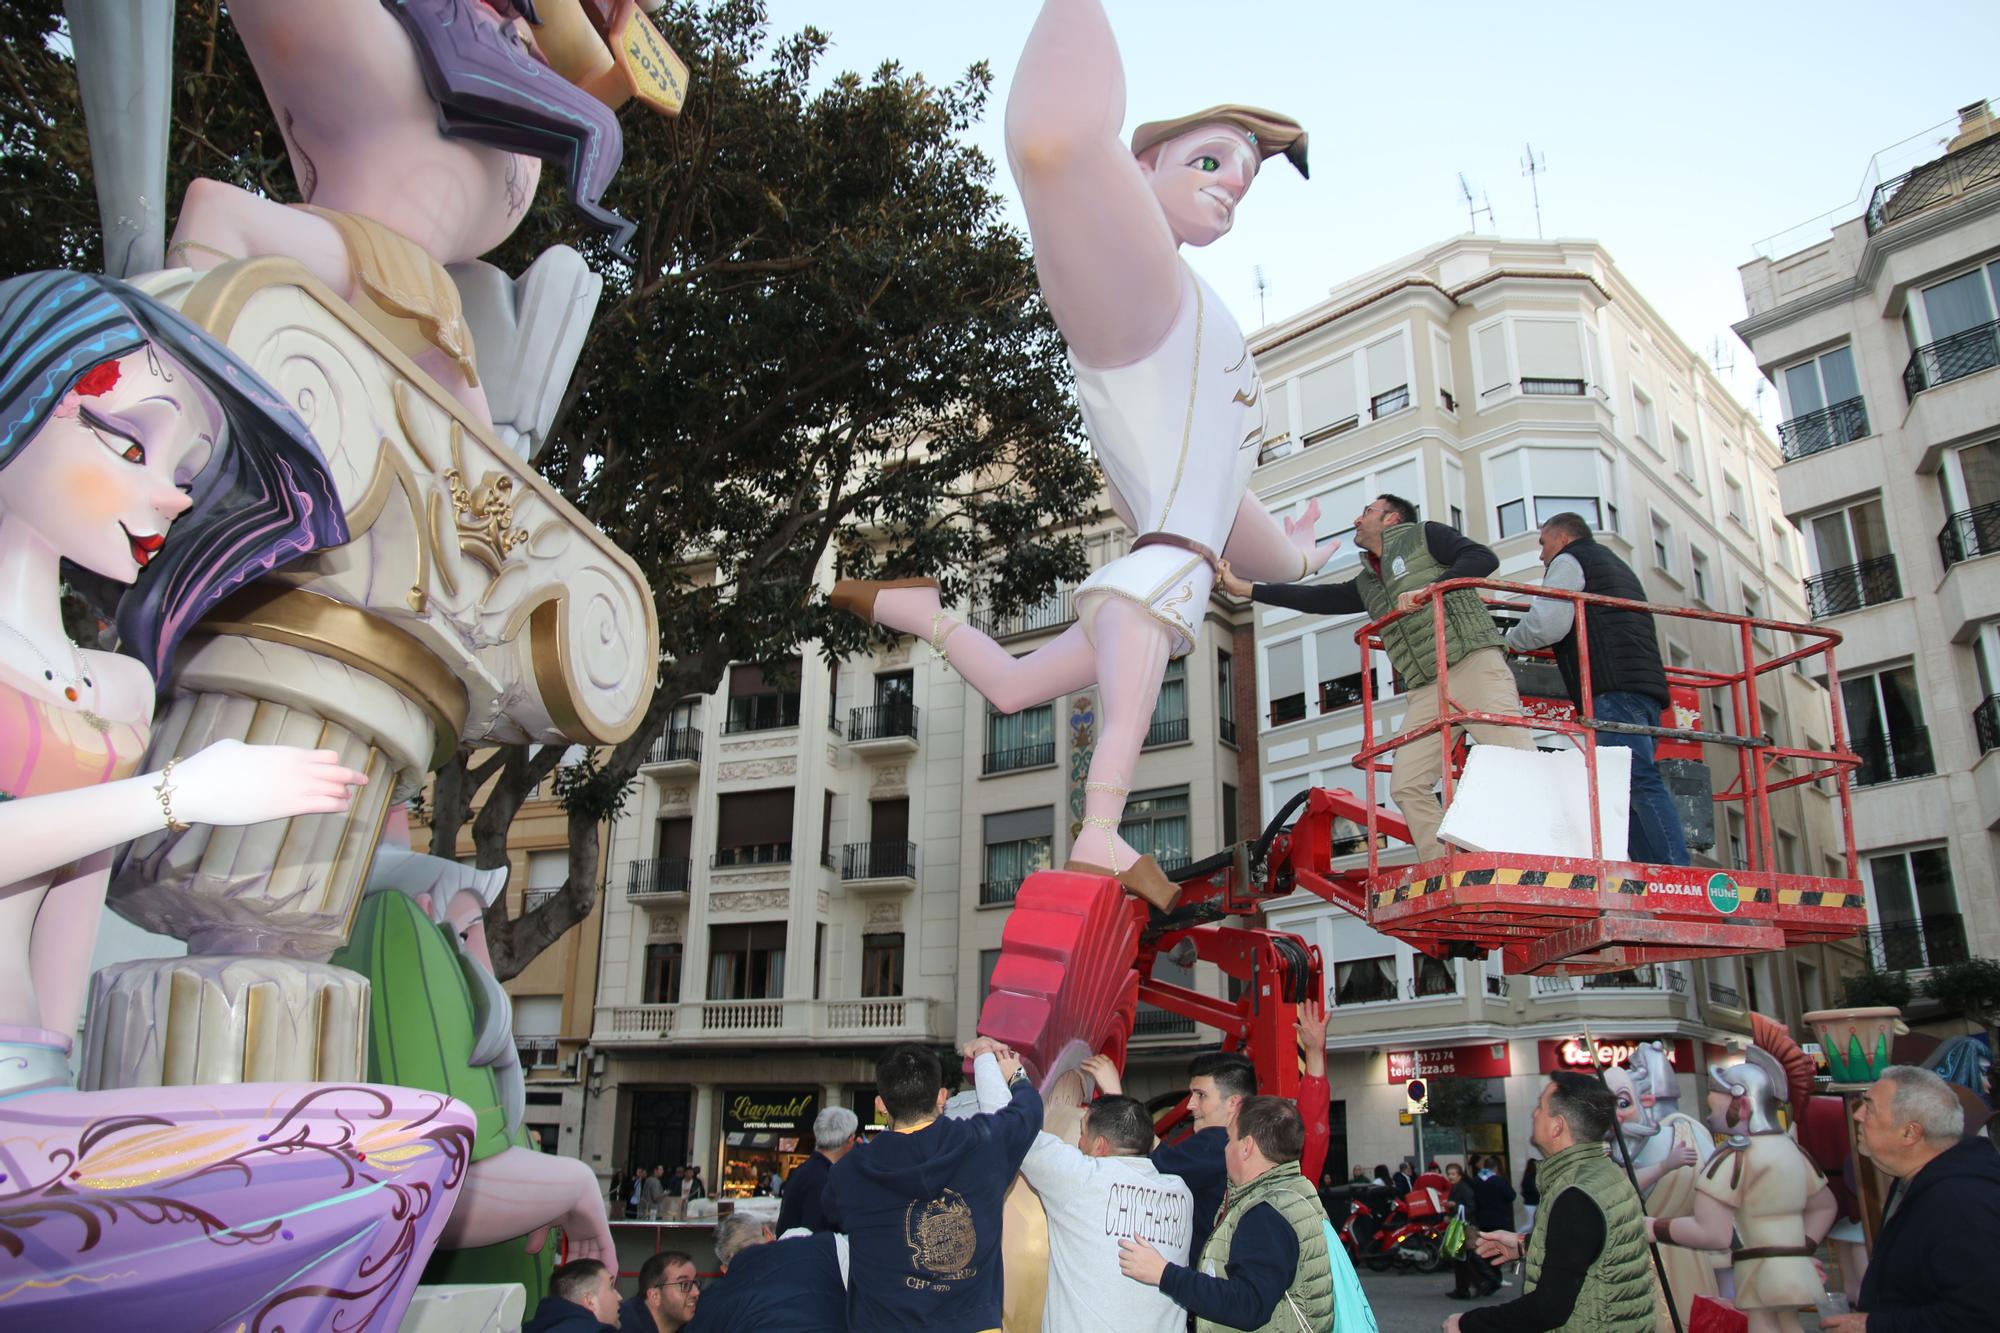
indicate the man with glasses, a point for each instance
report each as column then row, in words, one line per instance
column 1403, row 559
column 668, row 1293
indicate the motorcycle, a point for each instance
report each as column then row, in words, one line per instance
column 1398, row 1233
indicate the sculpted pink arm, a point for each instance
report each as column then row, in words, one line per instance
column 508, row 1195
column 1263, row 550
column 1109, row 264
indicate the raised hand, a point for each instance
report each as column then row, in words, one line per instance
column 233, row 783
column 1300, row 531
column 1104, row 1074
column 1311, row 1029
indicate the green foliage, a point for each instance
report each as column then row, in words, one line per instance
column 588, row 791
column 1869, row 989
column 1971, row 988
column 1456, row 1103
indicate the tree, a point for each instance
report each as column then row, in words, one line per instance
column 1970, row 988
column 1457, row 1103
column 822, row 343
column 1871, row 989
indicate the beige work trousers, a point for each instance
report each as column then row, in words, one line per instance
column 1480, row 682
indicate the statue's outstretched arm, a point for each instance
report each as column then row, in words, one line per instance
column 1263, row 550
column 1109, row 266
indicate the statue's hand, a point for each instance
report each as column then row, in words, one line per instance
column 1300, row 530
column 233, row 783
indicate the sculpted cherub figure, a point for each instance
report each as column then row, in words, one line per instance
column 1170, row 395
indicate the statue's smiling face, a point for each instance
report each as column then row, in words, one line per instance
column 1199, row 178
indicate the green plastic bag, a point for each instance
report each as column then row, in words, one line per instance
column 1454, row 1236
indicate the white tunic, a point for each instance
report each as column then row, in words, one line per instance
column 1177, row 435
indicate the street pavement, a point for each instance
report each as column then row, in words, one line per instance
column 1413, row 1302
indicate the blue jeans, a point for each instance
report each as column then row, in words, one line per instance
column 1654, row 833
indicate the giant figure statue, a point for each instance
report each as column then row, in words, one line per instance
column 1170, row 396
column 1762, row 1187
column 1668, row 1148
column 136, row 450
column 441, row 1021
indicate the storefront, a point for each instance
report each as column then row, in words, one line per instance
column 1471, row 1099
column 764, row 1130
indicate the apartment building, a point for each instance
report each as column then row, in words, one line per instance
column 818, row 864
column 1496, row 383
column 1878, row 326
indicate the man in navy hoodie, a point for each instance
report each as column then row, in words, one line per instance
column 921, row 1207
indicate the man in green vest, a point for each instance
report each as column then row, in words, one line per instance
column 1265, row 1266
column 439, row 1019
column 1402, row 558
column 1588, row 1267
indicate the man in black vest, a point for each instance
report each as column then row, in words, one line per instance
column 1627, row 682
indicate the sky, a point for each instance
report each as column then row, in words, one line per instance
column 1678, row 136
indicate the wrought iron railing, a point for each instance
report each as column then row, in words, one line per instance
column 1052, row 612
column 1986, row 723
column 1934, row 183
column 1021, row 756
column 538, row 1052
column 1721, row 992
column 1393, row 400
column 1947, row 359
column 998, row 892
column 1225, row 728
column 1902, row 754
column 682, row 744
column 759, row 854
column 659, row 874
column 1970, row 532
column 883, row 722
column 1167, row 731
column 1808, row 434
column 762, row 712
column 1552, row 388
column 879, row 860
column 1290, row 708
column 1431, row 982
column 1344, row 692
column 1930, row 941
column 1852, row 587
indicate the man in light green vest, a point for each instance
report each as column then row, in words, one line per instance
column 1402, row 558
column 1588, row 1267
column 1265, row 1266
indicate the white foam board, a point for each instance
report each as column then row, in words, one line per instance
column 1534, row 802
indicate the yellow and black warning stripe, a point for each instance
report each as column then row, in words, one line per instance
column 1544, row 879
column 1807, row 898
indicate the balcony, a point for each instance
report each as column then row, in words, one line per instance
column 1225, row 730
column 759, row 854
column 1934, row 183
column 676, row 752
column 1548, row 388
column 1913, row 946
column 1906, row 754
column 1986, row 723
column 1970, row 533
column 761, row 712
column 1653, row 978
column 1152, row 1022
column 1952, row 358
column 1166, row 731
column 889, row 728
column 659, row 880
column 882, row 865
column 723, row 1023
column 538, row 1052
column 1052, row 612
column 1852, row 587
column 1024, row 756
column 1815, row 432
column 998, row 892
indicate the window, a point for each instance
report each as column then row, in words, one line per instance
column 673, row 863
column 1026, row 739
column 1285, row 673
column 1551, row 356
column 1643, row 425
column 1170, row 711
column 747, row 962
column 826, row 832
column 1781, row 547
column 1388, row 363
column 1490, row 365
column 1441, row 366
column 833, row 695
column 547, row 873
column 1788, row 852
column 881, row 966
column 988, row 960
column 1531, row 486
column 1454, row 494
column 1959, row 304
column 1812, row 993
column 1738, row 508
column 1338, row 507
column 1433, row 977
column 1229, row 826
column 1156, row 824
column 1663, row 546
column 1364, row 981
column 1698, row 573
column 1725, row 982
column 1018, row 843
column 758, row 703
column 754, row 828
column 1225, row 696
column 1683, row 454
column 1885, row 725
column 1822, row 404
column 1338, row 659
column 1277, row 410
column 1733, row 822
column 1328, row 400
column 1753, row 608
column 819, row 961
column 662, row 983
column 1847, row 538
column 1916, row 907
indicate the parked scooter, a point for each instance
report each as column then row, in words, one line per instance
column 1395, row 1233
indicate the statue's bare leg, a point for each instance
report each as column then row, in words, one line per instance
column 1007, row 682
column 1132, row 653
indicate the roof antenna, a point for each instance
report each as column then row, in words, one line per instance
column 1472, row 212
column 1532, row 166
column 1262, row 287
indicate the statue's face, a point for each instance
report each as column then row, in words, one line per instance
column 112, row 468
column 1631, row 1110
column 465, row 916
column 1199, row 178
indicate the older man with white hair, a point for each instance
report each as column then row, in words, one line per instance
column 1929, row 1269
column 833, row 1138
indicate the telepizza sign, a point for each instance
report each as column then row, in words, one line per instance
column 1487, row 1060
column 1577, row 1054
